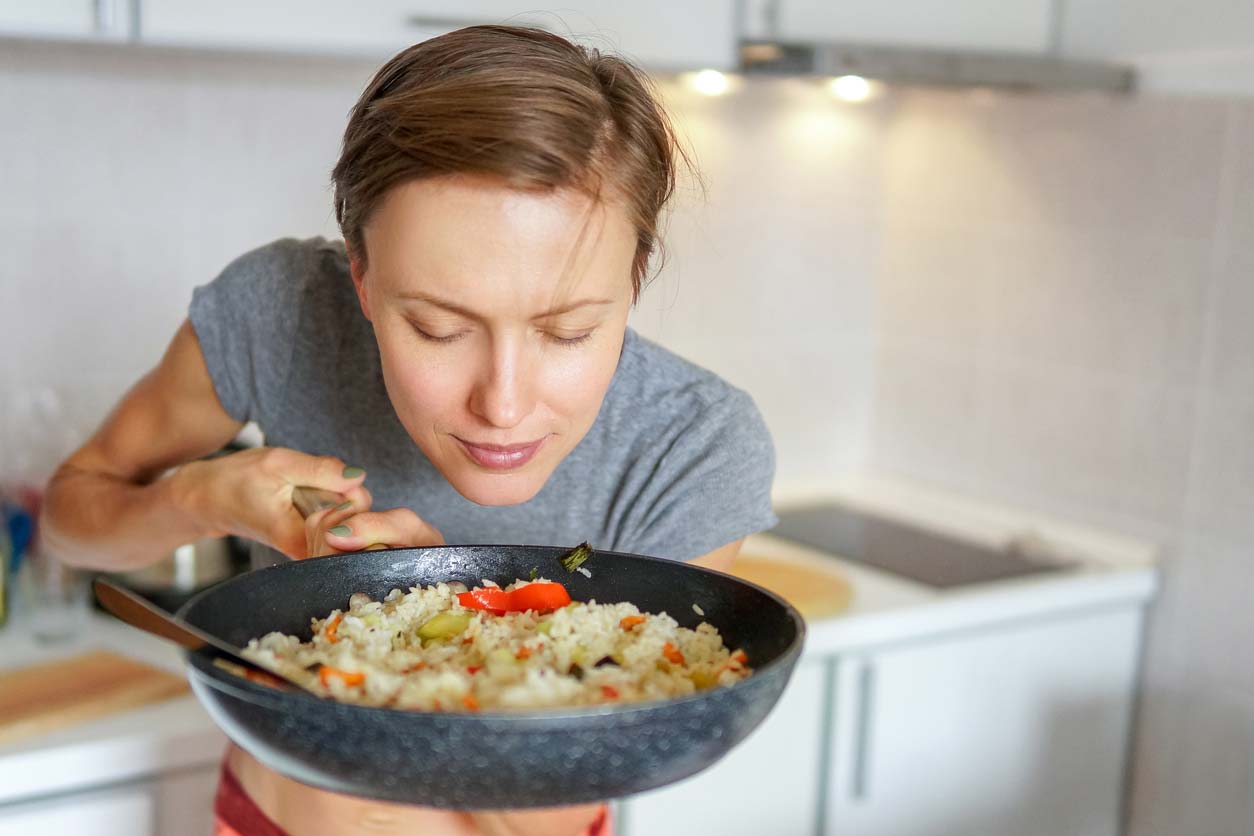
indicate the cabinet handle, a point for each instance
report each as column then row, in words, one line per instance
column 104, row 19
column 862, row 732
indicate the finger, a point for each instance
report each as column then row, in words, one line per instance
column 396, row 528
column 329, row 473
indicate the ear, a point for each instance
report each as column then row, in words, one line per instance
column 357, row 269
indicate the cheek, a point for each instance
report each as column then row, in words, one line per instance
column 576, row 379
column 420, row 387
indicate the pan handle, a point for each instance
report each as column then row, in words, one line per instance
column 311, row 500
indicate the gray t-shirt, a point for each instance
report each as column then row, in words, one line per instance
column 677, row 463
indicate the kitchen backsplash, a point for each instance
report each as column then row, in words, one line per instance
column 1064, row 293
column 1043, row 300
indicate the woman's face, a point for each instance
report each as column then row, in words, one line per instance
column 500, row 316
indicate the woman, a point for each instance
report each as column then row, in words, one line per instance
column 459, row 369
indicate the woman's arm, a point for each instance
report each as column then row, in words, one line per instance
column 112, row 506
column 721, row 558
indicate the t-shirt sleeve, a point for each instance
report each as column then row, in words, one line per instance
column 245, row 321
column 712, row 486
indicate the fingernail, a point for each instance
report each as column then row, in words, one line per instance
column 352, row 472
column 340, row 531
column 344, row 506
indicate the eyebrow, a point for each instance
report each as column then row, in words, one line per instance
column 469, row 314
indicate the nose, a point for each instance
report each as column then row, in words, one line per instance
column 503, row 392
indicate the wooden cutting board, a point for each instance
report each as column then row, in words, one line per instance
column 43, row 698
column 815, row 592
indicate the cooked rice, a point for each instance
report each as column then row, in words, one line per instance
column 579, row 655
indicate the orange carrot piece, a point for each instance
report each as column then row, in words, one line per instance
column 470, row 702
column 349, row 678
column 740, row 657
column 631, row 621
column 524, row 652
column 333, row 626
column 672, row 654
column 610, row 692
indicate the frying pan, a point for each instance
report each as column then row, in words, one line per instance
column 490, row 759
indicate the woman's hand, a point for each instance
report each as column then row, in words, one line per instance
column 351, row 527
column 249, row 494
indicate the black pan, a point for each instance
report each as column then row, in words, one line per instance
column 490, row 760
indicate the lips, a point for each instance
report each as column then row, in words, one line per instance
column 501, row 456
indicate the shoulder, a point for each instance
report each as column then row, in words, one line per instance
column 287, row 264
column 698, row 458
column 682, row 394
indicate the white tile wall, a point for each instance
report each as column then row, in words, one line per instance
column 1065, row 294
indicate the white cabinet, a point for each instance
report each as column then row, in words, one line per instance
column 658, row 33
column 125, row 811
column 1019, row 730
column 770, row 783
column 65, row 18
column 171, row 804
column 1021, row 26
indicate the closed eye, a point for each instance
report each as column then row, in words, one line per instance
column 446, row 338
column 571, row 341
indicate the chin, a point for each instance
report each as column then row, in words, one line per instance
column 498, row 489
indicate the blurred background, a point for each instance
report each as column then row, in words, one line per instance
column 986, row 268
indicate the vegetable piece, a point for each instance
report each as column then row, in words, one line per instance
column 672, row 654
column 535, row 573
column 703, row 679
column 470, row 702
column 538, row 596
column 631, row 621
column 523, row 652
column 575, row 558
column 740, row 657
column 501, row 659
column 610, row 692
column 473, row 669
column 544, row 626
column 445, row 625
column 332, row 626
column 492, row 598
column 349, row 678
column 541, row 597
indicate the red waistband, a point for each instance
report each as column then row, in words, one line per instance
column 235, row 814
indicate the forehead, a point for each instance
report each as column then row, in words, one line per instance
column 480, row 240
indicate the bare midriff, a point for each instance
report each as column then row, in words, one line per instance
column 297, row 808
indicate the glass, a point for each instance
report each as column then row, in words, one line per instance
column 55, row 598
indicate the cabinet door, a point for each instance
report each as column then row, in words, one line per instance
column 1022, row 25
column 184, row 801
column 658, row 33
column 1019, row 731
column 125, row 811
column 768, row 784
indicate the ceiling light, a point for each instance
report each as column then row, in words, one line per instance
column 851, row 88
column 709, row 82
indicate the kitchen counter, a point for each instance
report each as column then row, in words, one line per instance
column 162, row 737
column 1102, row 568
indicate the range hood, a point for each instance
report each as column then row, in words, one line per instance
column 917, row 65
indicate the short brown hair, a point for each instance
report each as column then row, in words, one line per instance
column 521, row 104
